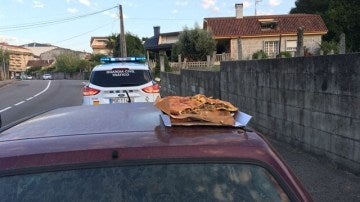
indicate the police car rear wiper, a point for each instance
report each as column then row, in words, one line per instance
column 129, row 100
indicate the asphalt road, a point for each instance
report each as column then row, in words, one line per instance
column 323, row 180
column 21, row 99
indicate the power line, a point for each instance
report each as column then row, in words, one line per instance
column 50, row 22
column 97, row 28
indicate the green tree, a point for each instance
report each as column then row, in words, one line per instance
column 339, row 16
column 113, row 44
column 134, row 46
column 313, row 6
column 96, row 58
column 67, row 62
column 194, row 44
column 4, row 60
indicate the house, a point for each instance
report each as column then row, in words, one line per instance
column 18, row 59
column 48, row 58
column 43, row 64
column 38, row 48
column 161, row 43
column 52, row 54
column 242, row 36
column 99, row 45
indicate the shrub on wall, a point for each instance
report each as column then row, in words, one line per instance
column 259, row 55
column 284, row 54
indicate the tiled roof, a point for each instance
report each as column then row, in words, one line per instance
column 101, row 38
column 13, row 48
column 151, row 43
column 229, row 27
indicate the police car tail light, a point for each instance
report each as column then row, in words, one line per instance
column 87, row 91
column 152, row 89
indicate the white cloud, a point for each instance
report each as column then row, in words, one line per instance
column 247, row 4
column 274, row 2
column 210, row 4
column 175, row 11
column 38, row 4
column 8, row 39
column 206, row 4
column 72, row 10
column 85, row 2
column 181, row 3
column 20, row 1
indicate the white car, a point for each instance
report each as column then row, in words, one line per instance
column 47, row 77
column 120, row 80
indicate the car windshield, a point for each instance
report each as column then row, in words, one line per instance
column 172, row 182
column 120, row 78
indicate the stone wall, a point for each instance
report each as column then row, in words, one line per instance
column 309, row 102
column 191, row 82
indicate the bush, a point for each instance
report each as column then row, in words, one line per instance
column 194, row 45
column 259, row 55
column 284, row 54
column 329, row 47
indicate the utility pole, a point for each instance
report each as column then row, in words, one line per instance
column 122, row 40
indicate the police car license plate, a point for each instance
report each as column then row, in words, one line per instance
column 119, row 100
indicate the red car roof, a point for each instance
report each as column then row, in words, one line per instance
column 127, row 132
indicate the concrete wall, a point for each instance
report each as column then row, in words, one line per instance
column 191, row 82
column 309, row 102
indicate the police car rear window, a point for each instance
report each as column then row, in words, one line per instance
column 120, row 77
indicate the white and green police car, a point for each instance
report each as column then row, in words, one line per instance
column 120, row 80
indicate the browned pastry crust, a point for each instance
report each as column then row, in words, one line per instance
column 197, row 108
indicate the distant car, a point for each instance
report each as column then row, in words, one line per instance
column 120, row 80
column 126, row 153
column 29, row 77
column 47, row 77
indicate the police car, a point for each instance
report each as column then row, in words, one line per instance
column 120, row 80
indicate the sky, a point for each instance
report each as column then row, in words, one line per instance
column 72, row 23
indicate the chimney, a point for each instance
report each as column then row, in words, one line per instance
column 156, row 30
column 239, row 10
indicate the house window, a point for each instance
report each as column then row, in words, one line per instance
column 271, row 48
column 291, row 45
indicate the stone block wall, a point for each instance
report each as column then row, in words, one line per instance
column 309, row 102
column 191, row 82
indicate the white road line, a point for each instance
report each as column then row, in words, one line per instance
column 19, row 103
column 43, row 91
column 5, row 109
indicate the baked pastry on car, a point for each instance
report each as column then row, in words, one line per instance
column 197, row 108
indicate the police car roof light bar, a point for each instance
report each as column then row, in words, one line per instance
column 122, row 59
